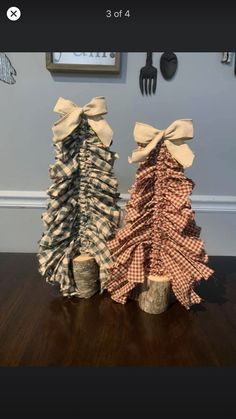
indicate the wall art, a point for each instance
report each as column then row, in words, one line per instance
column 83, row 62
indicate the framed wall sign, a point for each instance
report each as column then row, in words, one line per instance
column 83, row 62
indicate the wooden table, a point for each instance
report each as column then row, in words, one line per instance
column 38, row 327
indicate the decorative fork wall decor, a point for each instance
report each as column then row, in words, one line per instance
column 148, row 76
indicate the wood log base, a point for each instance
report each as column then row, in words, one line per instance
column 86, row 275
column 155, row 294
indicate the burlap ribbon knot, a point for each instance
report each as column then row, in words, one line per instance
column 71, row 116
column 174, row 137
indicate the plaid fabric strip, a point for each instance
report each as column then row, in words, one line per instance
column 82, row 212
column 160, row 219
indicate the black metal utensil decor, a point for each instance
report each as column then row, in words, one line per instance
column 148, row 76
column 226, row 57
column 168, row 65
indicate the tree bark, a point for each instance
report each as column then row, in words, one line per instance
column 86, row 275
column 155, row 295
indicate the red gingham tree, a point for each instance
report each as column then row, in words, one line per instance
column 160, row 236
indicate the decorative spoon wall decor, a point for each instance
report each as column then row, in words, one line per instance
column 168, row 65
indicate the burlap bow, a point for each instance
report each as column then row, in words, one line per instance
column 174, row 136
column 71, row 116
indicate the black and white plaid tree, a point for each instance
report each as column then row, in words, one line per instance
column 82, row 212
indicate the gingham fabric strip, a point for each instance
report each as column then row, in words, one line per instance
column 82, row 211
column 160, row 236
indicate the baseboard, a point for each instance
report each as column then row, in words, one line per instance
column 38, row 200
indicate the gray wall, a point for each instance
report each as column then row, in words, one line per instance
column 203, row 89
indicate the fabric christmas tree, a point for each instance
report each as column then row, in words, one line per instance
column 160, row 236
column 82, row 212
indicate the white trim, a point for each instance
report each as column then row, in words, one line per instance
column 214, row 203
column 205, row 203
column 23, row 199
column 38, row 200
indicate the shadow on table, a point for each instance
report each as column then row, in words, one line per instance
column 214, row 289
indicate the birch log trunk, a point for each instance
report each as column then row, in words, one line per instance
column 86, row 275
column 155, row 294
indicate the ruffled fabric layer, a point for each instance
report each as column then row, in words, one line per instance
column 82, row 212
column 160, row 236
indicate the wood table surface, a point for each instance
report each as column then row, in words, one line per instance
column 38, row 327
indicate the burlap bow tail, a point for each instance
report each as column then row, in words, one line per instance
column 174, row 137
column 71, row 116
